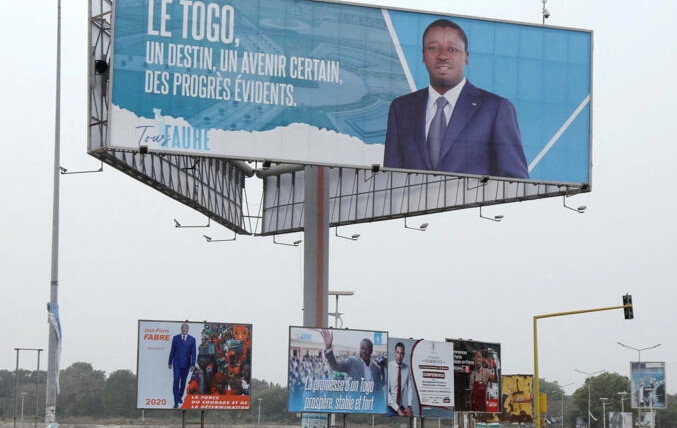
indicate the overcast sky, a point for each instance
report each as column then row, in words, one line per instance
column 121, row 259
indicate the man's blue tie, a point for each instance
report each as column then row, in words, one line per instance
column 438, row 127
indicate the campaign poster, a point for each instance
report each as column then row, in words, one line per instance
column 193, row 365
column 646, row 420
column 315, row 420
column 477, row 368
column 420, row 378
column 648, row 385
column 314, row 82
column 620, row 420
column 337, row 371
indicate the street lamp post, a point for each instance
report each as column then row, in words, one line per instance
column 623, row 398
column 639, row 367
column 23, row 395
column 604, row 403
column 337, row 314
column 588, row 381
column 564, row 386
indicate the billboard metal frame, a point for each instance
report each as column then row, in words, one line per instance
column 216, row 186
column 364, row 195
column 211, row 186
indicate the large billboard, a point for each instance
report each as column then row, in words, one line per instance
column 316, row 82
column 337, row 371
column 647, row 381
column 420, row 378
column 193, row 365
column 477, row 374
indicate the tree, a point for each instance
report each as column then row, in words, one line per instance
column 81, row 391
column 606, row 385
column 119, row 394
column 555, row 395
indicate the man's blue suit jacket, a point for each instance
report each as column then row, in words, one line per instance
column 483, row 136
column 182, row 355
column 353, row 366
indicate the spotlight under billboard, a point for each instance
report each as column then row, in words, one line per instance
column 314, row 82
column 193, row 365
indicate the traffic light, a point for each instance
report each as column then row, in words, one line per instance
column 627, row 300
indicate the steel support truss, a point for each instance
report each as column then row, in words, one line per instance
column 211, row 186
column 364, row 195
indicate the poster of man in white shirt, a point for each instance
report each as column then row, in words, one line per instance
column 400, row 387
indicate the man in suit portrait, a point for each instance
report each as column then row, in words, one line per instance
column 182, row 362
column 362, row 367
column 400, row 388
column 453, row 126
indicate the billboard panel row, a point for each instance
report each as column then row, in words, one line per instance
column 363, row 371
column 317, row 82
column 196, row 366
column 207, row 365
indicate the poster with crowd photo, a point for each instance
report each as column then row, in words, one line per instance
column 420, row 378
column 193, row 365
column 648, row 385
column 477, row 375
column 337, row 371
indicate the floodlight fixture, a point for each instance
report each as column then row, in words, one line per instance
column 193, row 167
column 482, row 182
column 545, row 12
column 65, row 171
column 352, row 237
column 100, row 66
column 375, row 168
column 494, row 218
column 421, row 228
column 178, row 224
column 293, row 244
column 581, row 209
column 210, row 239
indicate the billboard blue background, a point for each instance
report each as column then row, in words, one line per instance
column 545, row 72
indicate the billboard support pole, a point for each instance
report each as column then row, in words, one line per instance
column 537, row 399
column 316, row 247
